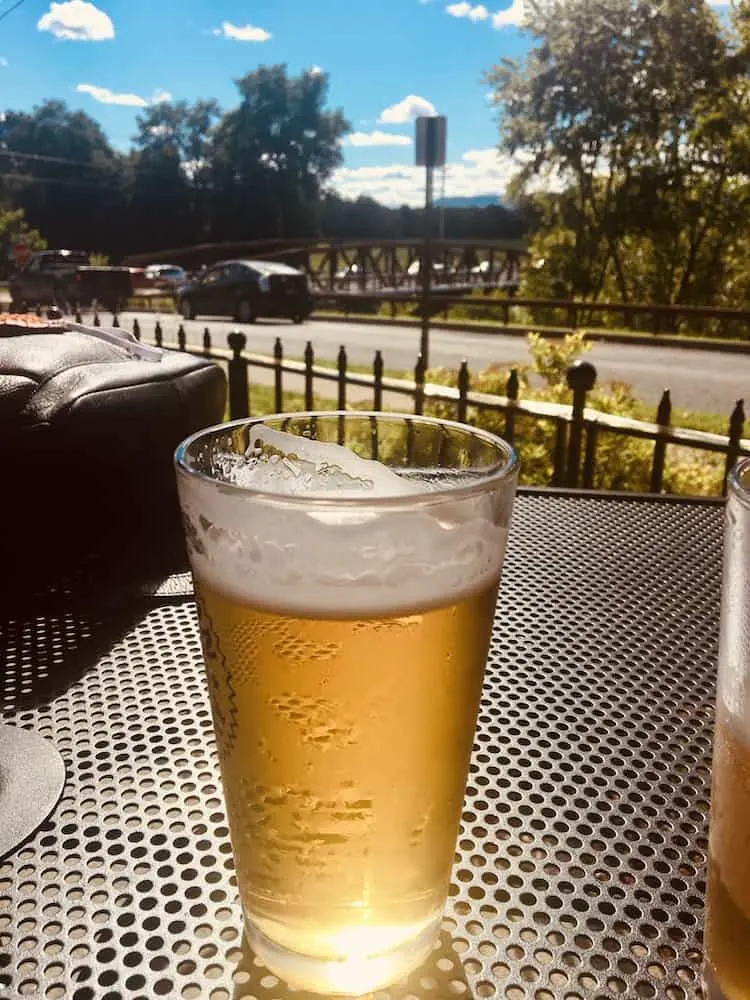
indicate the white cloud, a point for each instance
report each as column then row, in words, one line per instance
column 464, row 9
column 392, row 185
column 106, row 96
column 407, row 110
column 242, row 33
column 317, row 70
column 377, row 138
column 479, row 171
column 3, row 61
column 512, row 17
column 78, row 21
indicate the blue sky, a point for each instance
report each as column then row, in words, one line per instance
column 387, row 61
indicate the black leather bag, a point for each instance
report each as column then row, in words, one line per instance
column 88, row 427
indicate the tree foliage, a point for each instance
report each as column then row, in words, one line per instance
column 276, row 150
column 198, row 174
column 638, row 111
column 58, row 166
column 13, row 230
column 171, row 170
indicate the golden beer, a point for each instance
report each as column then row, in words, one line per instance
column 344, row 746
column 345, row 609
column 727, row 934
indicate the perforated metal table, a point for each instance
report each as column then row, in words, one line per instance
column 580, row 865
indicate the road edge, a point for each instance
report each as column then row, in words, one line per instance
column 553, row 333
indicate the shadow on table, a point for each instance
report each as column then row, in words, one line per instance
column 42, row 654
column 440, row 976
column 58, row 619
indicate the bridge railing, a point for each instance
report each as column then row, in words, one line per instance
column 366, row 266
column 577, row 427
column 510, row 310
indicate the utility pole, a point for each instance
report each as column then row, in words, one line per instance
column 425, row 269
column 430, row 153
column 441, row 227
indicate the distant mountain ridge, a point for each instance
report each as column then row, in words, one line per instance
column 469, row 201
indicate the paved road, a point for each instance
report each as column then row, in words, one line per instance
column 700, row 380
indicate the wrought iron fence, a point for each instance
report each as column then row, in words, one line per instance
column 577, row 428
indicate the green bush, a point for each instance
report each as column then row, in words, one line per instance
column 622, row 463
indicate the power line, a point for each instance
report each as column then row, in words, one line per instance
column 91, row 183
column 26, row 179
column 10, row 10
column 45, row 159
column 40, row 158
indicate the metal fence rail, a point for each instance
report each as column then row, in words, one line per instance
column 563, row 314
column 577, row 427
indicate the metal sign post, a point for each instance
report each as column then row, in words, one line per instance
column 430, row 153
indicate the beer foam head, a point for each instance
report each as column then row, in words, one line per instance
column 309, row 528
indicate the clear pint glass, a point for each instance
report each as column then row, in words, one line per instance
column 346, row 568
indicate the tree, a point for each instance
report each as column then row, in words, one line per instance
column 174, row 143
column 162, row 212
column 58, row 166
column 13, row 230
column 615, row 102
column 271, row 156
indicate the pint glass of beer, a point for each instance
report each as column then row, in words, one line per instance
column 346, row 568
column 727, row 934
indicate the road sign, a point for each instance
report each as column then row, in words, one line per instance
column 22, row 254
column 431, row 139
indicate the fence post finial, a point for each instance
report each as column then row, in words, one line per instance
column 511, row 391
column 663, row 419
column 664, row 411
column 464, row 383
column 419, row 373
column 377, row 385
column 309, row 359
column 581, row 378
column 239, row 393
column 736, row 428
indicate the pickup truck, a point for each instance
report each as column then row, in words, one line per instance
column 66, row 279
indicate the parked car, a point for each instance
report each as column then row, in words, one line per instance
column 167, row 276
column 247, row 289
column 66, row 279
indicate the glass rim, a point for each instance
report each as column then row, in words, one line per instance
column 735, row 486
column 494, row 477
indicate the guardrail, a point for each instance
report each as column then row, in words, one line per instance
column 577, row 427
column 511, row 310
